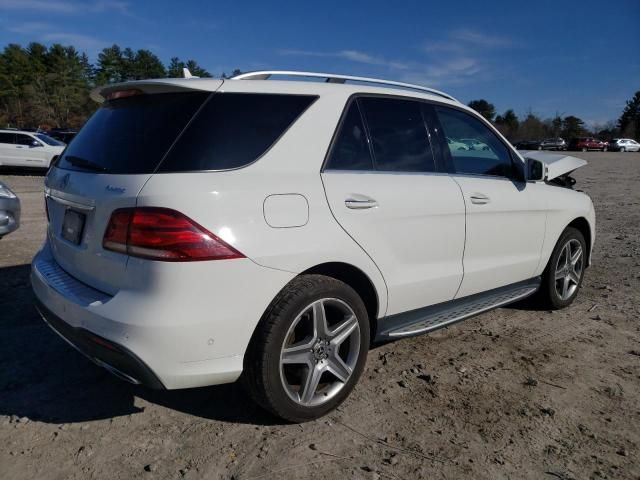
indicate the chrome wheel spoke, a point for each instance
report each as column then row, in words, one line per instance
column 574, row 277
column 343, row 330
column 320, row 319
column 336, row 365
column 575, row 258
column 311, row 384
column 560, row 274
column 297, row 354
column 565, row 287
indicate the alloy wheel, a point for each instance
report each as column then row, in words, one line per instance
column 320, row 352
column 569, row 268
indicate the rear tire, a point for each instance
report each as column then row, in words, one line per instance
column 622, row 149
column 563, row 276
column 298, row 366
column 584, row 149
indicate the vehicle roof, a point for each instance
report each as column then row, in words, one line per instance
column 11, row 130
column 266, row 86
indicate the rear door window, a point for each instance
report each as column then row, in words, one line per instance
column 473, row 147
column 131, row 135
column 7, row 137
column 351, row 148
column 398, row 133
column 233, row 130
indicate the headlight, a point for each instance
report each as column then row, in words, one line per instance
column 5, row 192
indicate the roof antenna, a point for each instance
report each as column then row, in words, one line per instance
column 187, row 73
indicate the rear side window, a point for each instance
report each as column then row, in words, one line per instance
column 473, row 147
column 7, row 137
column 351, row 148
column 22, row 139
column 131, row 135
column 234, row 129
column 398, row 134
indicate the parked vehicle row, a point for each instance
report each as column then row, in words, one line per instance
column 202, row 231
column 583, row 144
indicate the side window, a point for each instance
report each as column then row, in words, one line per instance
column 351, row 149
column 398, row 135
column 6, row 137
column 22, row 139
column 474, row 148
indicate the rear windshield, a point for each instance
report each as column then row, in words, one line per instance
column 132, row 135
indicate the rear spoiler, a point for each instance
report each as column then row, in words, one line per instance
column 163, row 85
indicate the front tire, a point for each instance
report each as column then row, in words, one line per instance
column 622, row 149
column 563, row 276
column 308, row 350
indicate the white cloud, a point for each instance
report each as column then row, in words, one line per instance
column 352, row 55
column 83, row 43
column 65, row 6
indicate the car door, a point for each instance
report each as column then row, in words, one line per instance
column 505, row 218
column 7, row 148
column 383, row 189
column 30, row 151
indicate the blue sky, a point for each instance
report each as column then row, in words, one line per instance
column 569, row 57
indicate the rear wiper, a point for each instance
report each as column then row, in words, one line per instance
column 84, row 163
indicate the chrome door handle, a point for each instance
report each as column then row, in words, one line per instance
column 479, row 198
column 360, row 204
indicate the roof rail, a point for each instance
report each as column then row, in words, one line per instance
column 333, row 78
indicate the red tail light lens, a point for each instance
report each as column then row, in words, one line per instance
column 163, row 234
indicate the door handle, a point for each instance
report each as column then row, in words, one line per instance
column 479, row 198
column 360, row 203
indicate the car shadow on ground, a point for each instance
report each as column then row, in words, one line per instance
column 44, row 379
column 23, row 171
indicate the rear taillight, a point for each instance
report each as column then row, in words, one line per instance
column 163, row 234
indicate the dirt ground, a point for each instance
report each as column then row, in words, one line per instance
column 515, row 393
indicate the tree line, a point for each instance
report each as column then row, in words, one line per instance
column 48, row 87
column 532, row 127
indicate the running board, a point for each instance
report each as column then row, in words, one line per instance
column 427, row 319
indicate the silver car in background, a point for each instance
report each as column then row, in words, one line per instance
column 624, row 145
column 553, row 144
column 9, row 210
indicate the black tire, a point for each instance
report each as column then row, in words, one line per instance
column 261, row 375
column 548, row 293
column 622, row 149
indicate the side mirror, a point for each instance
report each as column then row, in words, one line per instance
column 35, row 143
column 535, row 170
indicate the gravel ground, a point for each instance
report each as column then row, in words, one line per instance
column 515, row 393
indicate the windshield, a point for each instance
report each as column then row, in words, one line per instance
column 48, row 140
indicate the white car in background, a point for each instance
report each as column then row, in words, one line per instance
column 28, row 149
column 203, row 231
column 624, row 145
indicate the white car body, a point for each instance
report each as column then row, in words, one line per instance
column 27, row 149
column 429, row 238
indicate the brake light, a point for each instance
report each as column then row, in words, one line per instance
column 163, row 234
column 122, row 94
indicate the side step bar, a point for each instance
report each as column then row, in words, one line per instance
column 427, row 319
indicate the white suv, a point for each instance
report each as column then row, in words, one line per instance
column 28, row 149
column 203, row 231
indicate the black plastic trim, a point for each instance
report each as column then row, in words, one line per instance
column 113, row 357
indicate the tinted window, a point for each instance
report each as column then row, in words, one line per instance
column 131, row 135
column 22, row 139
column 351, row 149
column 473, row 147
column 233, row 129
column 48, row 140
column 6, row 137
column 398, row 135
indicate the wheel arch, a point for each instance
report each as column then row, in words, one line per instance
column 356, row 279
column 582, row 225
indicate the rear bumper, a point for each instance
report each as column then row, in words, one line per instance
column 176, row 329
column 115, row 358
